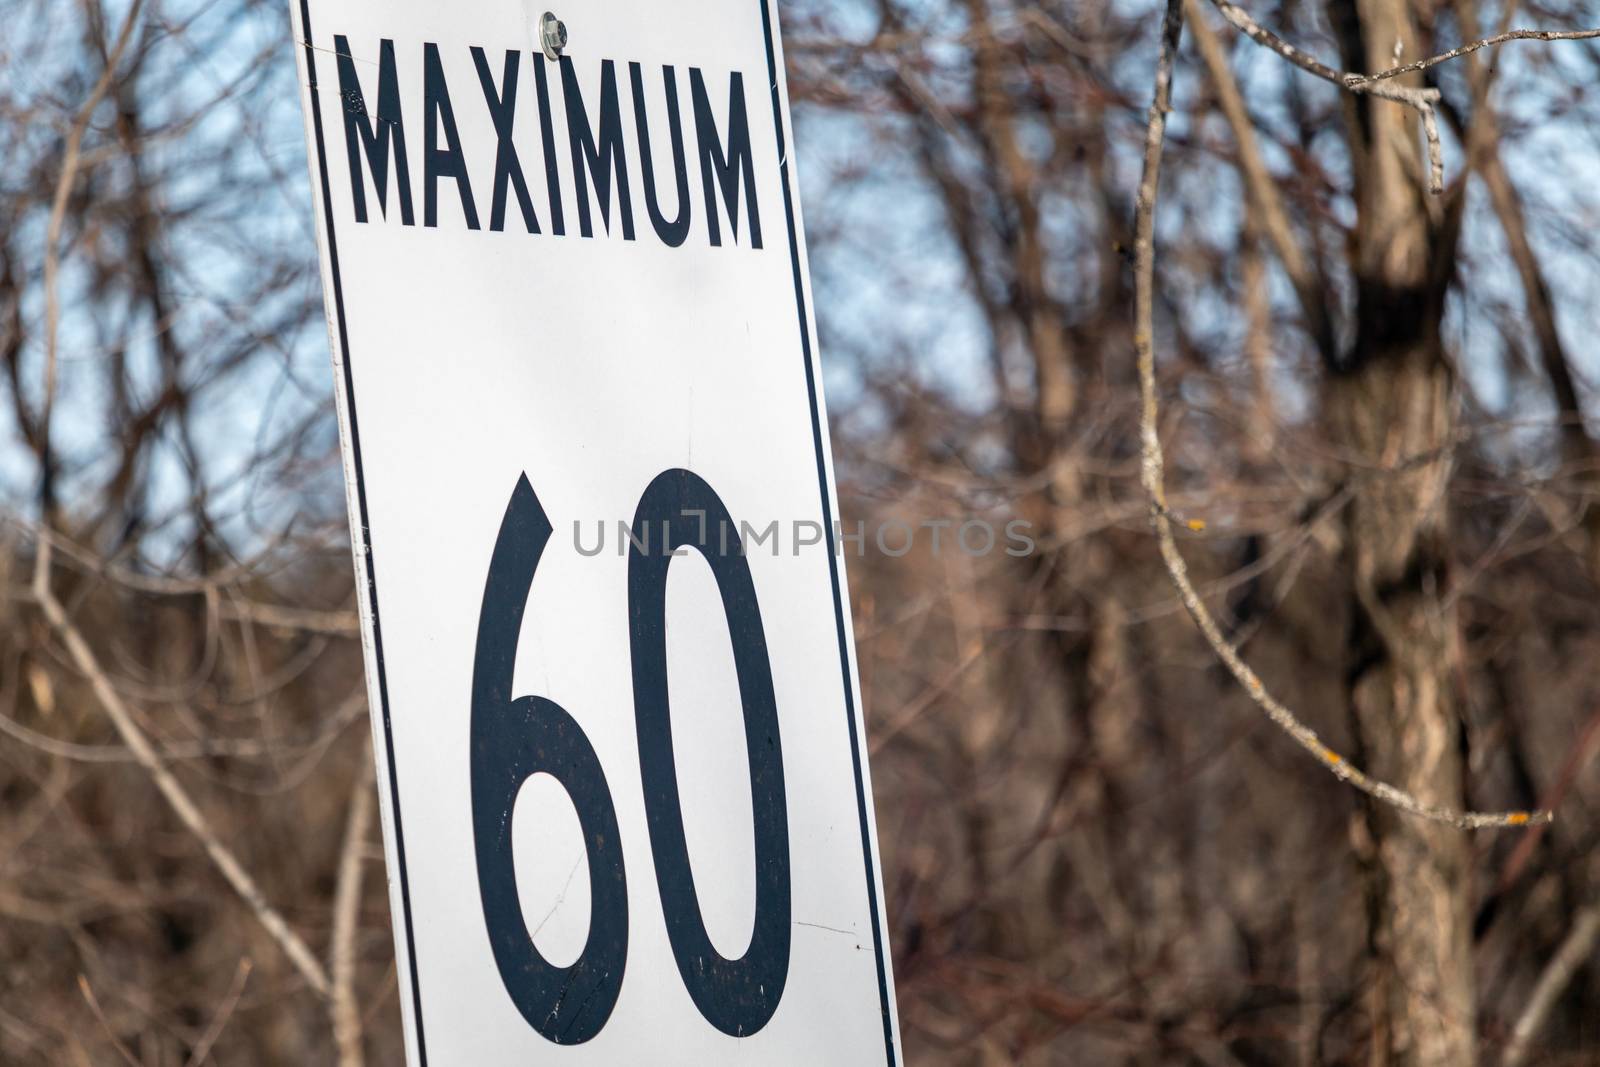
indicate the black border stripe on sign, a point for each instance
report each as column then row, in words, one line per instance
column 864, row 816
column 827, row 525
column 363, row 533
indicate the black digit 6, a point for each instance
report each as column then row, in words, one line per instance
column 739, row 996
column 512, row 740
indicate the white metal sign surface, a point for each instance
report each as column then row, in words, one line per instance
column 619, row 739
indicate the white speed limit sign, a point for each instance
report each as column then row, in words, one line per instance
column 620, row 747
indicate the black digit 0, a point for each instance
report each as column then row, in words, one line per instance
column 512, row 740
column 738, row 997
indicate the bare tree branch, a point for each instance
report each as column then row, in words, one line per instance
column 70, row 159
column 78, row 648
column 1361, row 80
column 1152, row 465
column 1274, row 219
column 219, row 1021
column 1575, row 949
column 343, row 1004
column 177, row 797
column 1421, row 100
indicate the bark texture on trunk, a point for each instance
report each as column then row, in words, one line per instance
column 1392, row 406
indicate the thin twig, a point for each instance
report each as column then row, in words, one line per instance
column 1466, row 49
column 353, row 708
column 1557, row 975
column 344, row 1007
column 70, row 158
column 1273, row 216
column 105, row 1024
column 926, row 699
column 1420, row 100
column 219, row 1021
column 1580, row 751
column 177, row 797
column 1152, row 465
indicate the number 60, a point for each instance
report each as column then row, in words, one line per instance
column 514, row 738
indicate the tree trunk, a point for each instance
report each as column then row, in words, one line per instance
column 1392, row 407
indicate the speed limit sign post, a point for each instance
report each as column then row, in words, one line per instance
column 626, row 801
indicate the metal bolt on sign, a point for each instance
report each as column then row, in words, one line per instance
column 552, row 35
